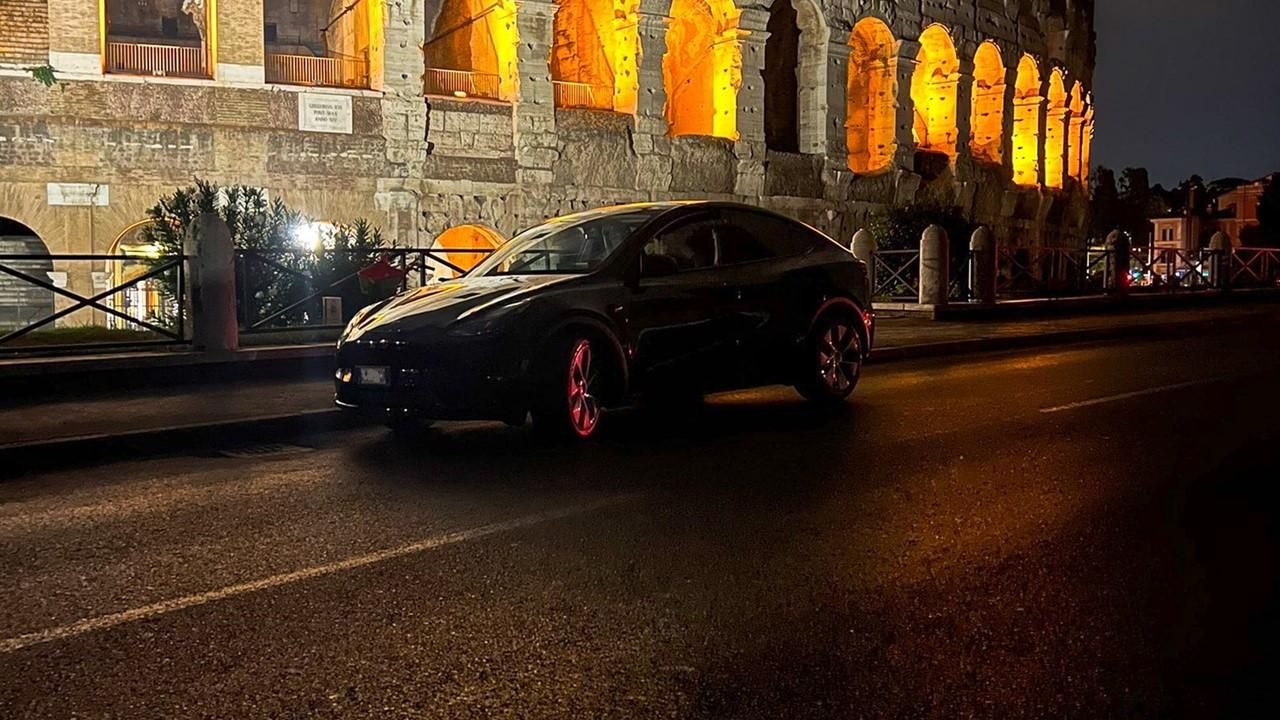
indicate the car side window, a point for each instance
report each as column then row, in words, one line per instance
column 756, row 236
column 685, row 246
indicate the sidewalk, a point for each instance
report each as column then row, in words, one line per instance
column 170, row 413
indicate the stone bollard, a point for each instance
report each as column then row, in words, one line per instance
column 864, row 248
column 935, row 267
column 1220, row 261
column 983, row 265
column 211, row 277
column 1118, row 279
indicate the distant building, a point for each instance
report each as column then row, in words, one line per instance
column 1234, row 212
column 1238, row 209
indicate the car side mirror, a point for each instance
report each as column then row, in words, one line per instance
column 657, row 266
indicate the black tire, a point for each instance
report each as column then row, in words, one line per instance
column 831, row 364
column 568, row 394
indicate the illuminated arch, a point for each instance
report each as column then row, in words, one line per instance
column 1026, row 123
column 1055, row 131
column 1075, row 138
column 987, row 121
column 460, row 238
column 1086, row 142
column 702, row 68
column 593, row 55
column 472, row 49
column 933, row 92
column 871, row 110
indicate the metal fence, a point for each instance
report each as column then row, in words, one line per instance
column 1051, row 272
column 133, row 301
column 1254, row 268
column 288, row 289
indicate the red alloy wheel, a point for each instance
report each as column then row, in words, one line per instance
column 584, row 406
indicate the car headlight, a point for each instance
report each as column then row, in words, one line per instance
column 486, row 319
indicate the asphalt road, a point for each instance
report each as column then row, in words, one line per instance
column 1087, row 531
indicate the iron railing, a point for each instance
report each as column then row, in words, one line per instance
column 897, row 274
column 286, row 289
column 1254, row 268
column 146, row 308
column 462, row 83
column 157, row 60
column 570, row 94
column 341, row 71
column 1051, row 272
column 1168, row 269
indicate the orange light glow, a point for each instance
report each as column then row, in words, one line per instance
column 1086, row 142
column 987, row 123
column 1026, row 123
column 702, row 69
column 1075, row 138
column 457, row 240
column 870, row 114
column 594, row 54
column 1055, row 131
column 933, row 92
column 472, row 50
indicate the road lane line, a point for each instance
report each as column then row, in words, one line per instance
column 103, row 622
column 1128, row 395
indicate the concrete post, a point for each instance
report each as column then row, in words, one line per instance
column 1118, row 246
column 1220, row 261
column 935, row 263
column 983, row 265
column 864, row 248
column 211, row 277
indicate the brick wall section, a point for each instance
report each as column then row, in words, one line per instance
column 73, row 26
column 24, row 32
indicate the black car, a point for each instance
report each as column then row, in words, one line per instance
column 587, row 311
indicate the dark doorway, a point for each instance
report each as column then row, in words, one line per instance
column 781, row 88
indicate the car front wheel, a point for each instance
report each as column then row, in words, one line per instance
column 569, row 392
column 833, row 362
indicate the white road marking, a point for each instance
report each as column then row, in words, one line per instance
column 1128, row 395
column 103, row 622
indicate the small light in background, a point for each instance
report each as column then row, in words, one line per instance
column 312, row 235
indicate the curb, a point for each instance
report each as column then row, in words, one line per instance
column 86, row 449
column 23, row 458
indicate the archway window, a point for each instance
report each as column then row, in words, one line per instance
column 1026, row 123
column 1055, row 131
column 1086, row 143
column 987, row 123
column 22, row 302
column 593, row 58
column 327, row 43
column 933, row 92
column 781, row 83
column 1075, row 138
column 166, row 38
column 871, row 113
column 472, row 49
column 702, row 69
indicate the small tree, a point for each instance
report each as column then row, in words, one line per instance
column 900, row 228
column 286, row 257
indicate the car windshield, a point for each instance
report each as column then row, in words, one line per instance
column 570, row 245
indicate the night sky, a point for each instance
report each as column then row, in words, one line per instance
column 1189, row 86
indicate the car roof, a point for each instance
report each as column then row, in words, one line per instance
column 657, row 208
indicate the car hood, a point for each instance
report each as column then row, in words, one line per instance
column 439, row 305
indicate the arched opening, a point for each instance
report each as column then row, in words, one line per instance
column 164, row 38
column 987, row 122
column 1086, row 142
column 781, row 81
column 472, row 49
column 145, row 299
column 1055, row 131
column 330, row 43
column 933, row 92
column 1075, row 139
column 593, row 56
column 22, row 302
column 459, row 239
column 702, row 68
column 870, row 115
column 1026, row 123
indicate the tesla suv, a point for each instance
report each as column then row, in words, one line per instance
column 588, row 311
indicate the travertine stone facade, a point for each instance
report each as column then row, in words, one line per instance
column 417, row 165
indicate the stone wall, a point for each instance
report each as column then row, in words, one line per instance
column 418, row 166
column 24, row 32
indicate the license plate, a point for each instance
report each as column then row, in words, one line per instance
column 376, row 376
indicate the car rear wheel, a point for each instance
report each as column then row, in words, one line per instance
column 568, row 402
column 833, row 360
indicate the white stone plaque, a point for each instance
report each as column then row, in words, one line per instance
column 79, row 194
column 101, row 280
column 57, row 279
column 324, row 113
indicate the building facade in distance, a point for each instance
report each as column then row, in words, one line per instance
column 426, row 114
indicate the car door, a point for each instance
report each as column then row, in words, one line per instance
column 764, row 288
column 670, row 315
